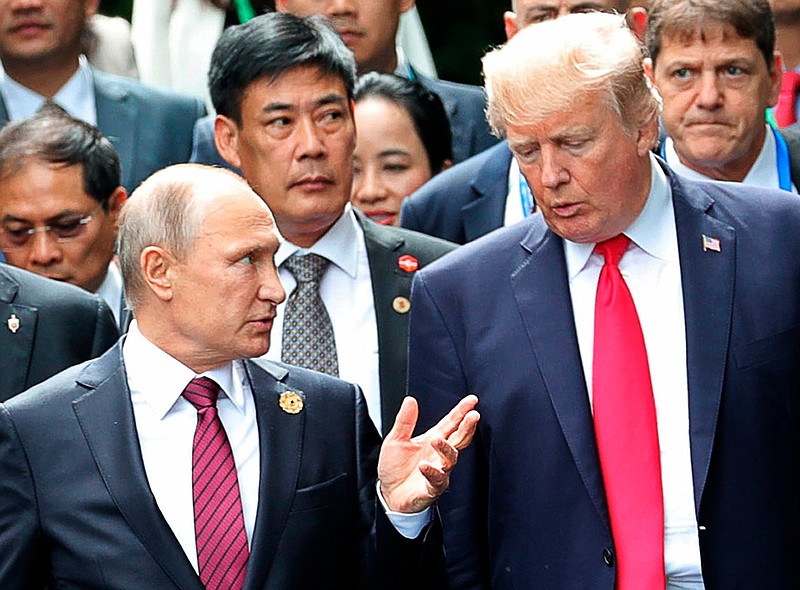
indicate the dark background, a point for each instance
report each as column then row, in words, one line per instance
column 458, row 32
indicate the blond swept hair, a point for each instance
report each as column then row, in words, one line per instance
column 546, row 66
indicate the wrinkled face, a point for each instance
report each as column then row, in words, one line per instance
column 589, row 176
column 368, row 27
column 715, row 92
column 224, row 294
column 529, row 12
column 295, row 147
column 390, row 161
column 42, row 194
column 31, row 30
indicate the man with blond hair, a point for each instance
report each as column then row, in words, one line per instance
column 635, row 347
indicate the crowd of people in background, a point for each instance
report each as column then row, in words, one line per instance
column 260, row 270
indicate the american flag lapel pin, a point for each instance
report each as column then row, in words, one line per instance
column 711, row 244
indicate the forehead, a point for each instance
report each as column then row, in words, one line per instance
column 570, row 5
column 710, row 36
column 306, row 7
column 233, row 212
column 42, row 189
column 299, row 86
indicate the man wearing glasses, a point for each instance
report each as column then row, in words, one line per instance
column 60, row 198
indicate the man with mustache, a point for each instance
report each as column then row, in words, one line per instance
column 282, row 86
column 715, row 65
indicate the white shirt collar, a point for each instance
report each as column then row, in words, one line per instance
column 651, row 230
column 161, row 378
column 339, row 244
column 763, row 173
column 76, row 96
column 110, row 289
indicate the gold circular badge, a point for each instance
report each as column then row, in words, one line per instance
column 291, row 402
column 401, row 305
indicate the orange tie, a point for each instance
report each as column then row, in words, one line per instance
column 625, row 427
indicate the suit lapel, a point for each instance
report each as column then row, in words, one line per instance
column 547, row 315
column 280, row 444
column 708, row 278
column 17, row 346
column 388, row 282
column 106, row 418
column 116, row 119
column 490, row 185
column 3, row 112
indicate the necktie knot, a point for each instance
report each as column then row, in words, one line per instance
column 306, row 268
column 202, row 392
column 612, row 250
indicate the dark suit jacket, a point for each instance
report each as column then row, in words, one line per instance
column 385, row 245
column 59, row 325
column 465, row 202
column 149, row 128
column 527, row 508
column 76, row 510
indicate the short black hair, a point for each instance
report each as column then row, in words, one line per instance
column 423, row 106
column 268, row 46
column 53, row 136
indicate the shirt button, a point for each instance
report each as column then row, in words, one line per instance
column 608, row 557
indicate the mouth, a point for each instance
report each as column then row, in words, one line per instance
column 566, row 209
column 29, row 28
column 263, row 324
column 381, row 216
column 313, row 184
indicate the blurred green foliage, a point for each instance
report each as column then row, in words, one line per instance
column 459, row 32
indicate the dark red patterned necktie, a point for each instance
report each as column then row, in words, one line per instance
column 626, row 430
column 220, row 535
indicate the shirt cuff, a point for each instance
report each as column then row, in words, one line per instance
column 409, row 525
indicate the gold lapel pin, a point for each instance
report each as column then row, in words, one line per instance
column 401, row 305
column 13, row 323
column 291, row 402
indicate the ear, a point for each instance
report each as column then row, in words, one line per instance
column 510, row 23
column 156, row 266
column 90, row 9
column 406, row 5
column 281, row 5
column 115, row 203
column 775, row 79
column 637, row 21
column 648, row 135
column 226, row 138
column 649, row 70
column 446, row 164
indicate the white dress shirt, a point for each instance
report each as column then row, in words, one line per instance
column 763, row 173
column 346, row 291
column 111, row 290
column 76, row 96
column 651, row 269
column 166, row 422
column 514, row 211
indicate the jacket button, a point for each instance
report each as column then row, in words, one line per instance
column 608, row 557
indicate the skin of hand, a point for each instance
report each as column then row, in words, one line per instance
column 414, row 472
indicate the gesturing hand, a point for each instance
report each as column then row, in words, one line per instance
column 415, row 471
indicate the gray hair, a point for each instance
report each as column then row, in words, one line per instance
column 541, row 70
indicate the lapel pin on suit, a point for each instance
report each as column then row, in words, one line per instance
column 401, row 305
column 711, row 244
column 291, row 402
column 408, row 263
column 13, row 323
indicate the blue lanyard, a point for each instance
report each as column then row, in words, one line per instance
column 784, row 169
column 525, row 196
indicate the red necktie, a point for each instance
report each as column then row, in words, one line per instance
column 222, row 551
column 785, row 113
column 625, row 427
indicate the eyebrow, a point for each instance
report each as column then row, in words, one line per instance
column 332, row 98
column 58, row 216
column 393, row 152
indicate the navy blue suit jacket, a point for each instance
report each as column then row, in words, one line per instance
column 76, row 510
column 526, row 508
column 149, row 128
column 465, row 202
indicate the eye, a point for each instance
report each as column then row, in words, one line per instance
column 248, row 259
column 67, row 228
column 17, row 235
column 395, row 167
column 734, row 71
column 540, row 17
column 682, row 73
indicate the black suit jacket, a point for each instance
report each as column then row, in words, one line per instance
column 76, row 510
column 385, row 245
column 527, row 507
column 465, row 202
column 59, row 325
column 150, row 128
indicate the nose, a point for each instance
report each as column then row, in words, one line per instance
column 369, row 187
column 44, row 250
column 310, row 143
column 23, row 5
column 709, row 94
column 553, row 174
column 270, row 288
column 341, row 7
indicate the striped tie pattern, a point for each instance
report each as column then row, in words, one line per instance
column 222, row 551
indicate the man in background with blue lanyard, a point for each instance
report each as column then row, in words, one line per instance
column 715, row 65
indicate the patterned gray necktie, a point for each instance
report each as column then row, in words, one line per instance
column 307, row 330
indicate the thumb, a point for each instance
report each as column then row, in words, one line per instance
column 406, row 420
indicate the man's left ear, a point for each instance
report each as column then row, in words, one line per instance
column 91, row 8
column 115, row 203
column 226, row 138
column 775, row 78
column 648, row 136
column 406, row 5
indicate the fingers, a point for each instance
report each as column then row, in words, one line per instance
column 462, row 437
column 406, row 420
column 451, row 422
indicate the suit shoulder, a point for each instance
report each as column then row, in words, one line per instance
column 466, row 92
column 423, row 246
column 52, row 397
column 38, row 291
column 137, row 90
